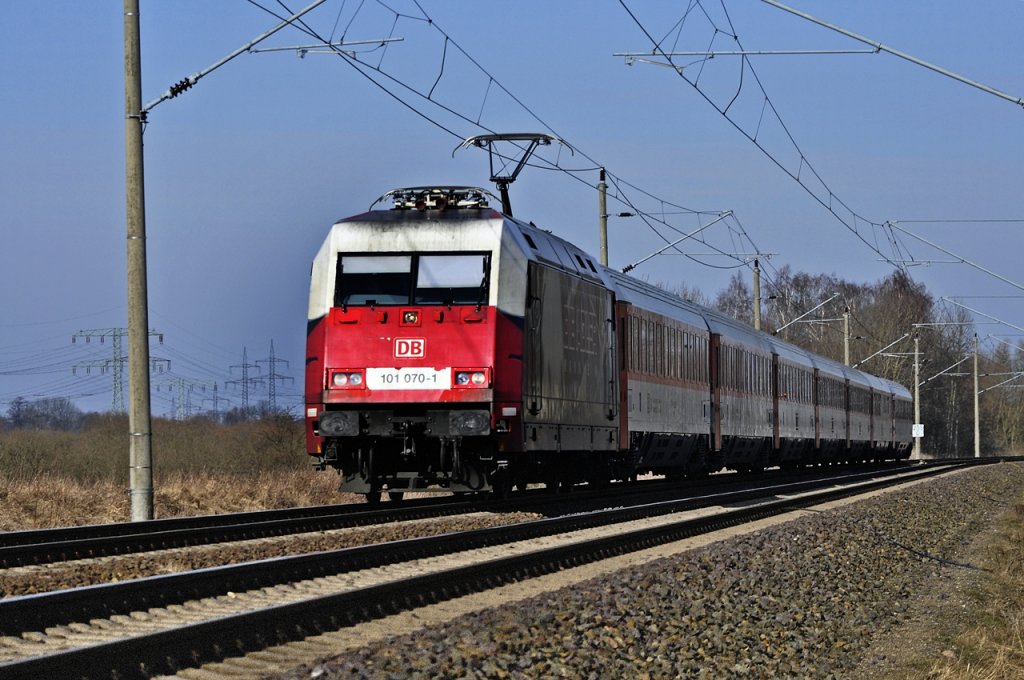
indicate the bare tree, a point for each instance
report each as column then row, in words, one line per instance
column 736, row 300
column 58, row 413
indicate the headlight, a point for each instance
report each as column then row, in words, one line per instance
column 347, row 379
column 471, row 378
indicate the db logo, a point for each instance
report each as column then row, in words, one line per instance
column 410, row 348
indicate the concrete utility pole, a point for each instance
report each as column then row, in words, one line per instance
column 916, row 455
column 140, row 421
column 602, row 209
column 846, row 335
column 757, row 295
column 977, row 423
column 140, row 425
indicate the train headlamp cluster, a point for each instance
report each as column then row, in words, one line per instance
column 461, row 378
column 347, row 379
column 471, row 378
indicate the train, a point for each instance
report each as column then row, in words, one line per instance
column 451, row 346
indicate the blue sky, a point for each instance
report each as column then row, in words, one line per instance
column 246, row 171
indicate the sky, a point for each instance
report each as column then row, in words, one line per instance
column 246, row 171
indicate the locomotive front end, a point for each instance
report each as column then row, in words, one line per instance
column 402, row 386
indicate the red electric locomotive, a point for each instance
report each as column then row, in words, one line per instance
column 439, row 356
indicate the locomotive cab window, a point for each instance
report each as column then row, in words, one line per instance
column 373, row 279
column 443, row 279
column 452, row 279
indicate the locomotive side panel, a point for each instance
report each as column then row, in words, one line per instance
column 570, row 382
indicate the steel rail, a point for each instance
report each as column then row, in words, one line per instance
column 170, row 650
column 39, row 547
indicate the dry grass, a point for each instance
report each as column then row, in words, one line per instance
column 991, row 647
column 48, row 501
column 50, row 479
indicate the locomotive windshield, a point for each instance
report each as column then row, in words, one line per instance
column 421, row 279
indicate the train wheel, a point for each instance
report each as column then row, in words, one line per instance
column 373, row 497
column 396, row 495
column 501, row 484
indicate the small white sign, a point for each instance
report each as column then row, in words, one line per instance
column 408, row 379
column 918, row 430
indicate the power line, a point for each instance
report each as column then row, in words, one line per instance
column 828, row 198
column 117, row 361
column 273, row 376
column 245, row 380
column 902, row 55
column 183, row 389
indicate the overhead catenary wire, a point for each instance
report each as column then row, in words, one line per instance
column 647, row 217
column 889, row 230
column 830, row 199
column 366, row 69
column 963, row 260
column 897, row 53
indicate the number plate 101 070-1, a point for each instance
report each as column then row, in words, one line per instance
column 408, row 379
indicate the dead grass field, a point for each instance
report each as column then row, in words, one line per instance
column 46, row 501
column 51, row 479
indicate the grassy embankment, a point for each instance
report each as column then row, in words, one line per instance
column 68, row 478
column 987, row 643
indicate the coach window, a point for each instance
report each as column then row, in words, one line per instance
column 648, row 342
column 634, row 343
column 452, row 279
column 373, row 279
column 661, row 349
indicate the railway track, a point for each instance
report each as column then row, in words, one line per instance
column 43, row 546
column 161, row 624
